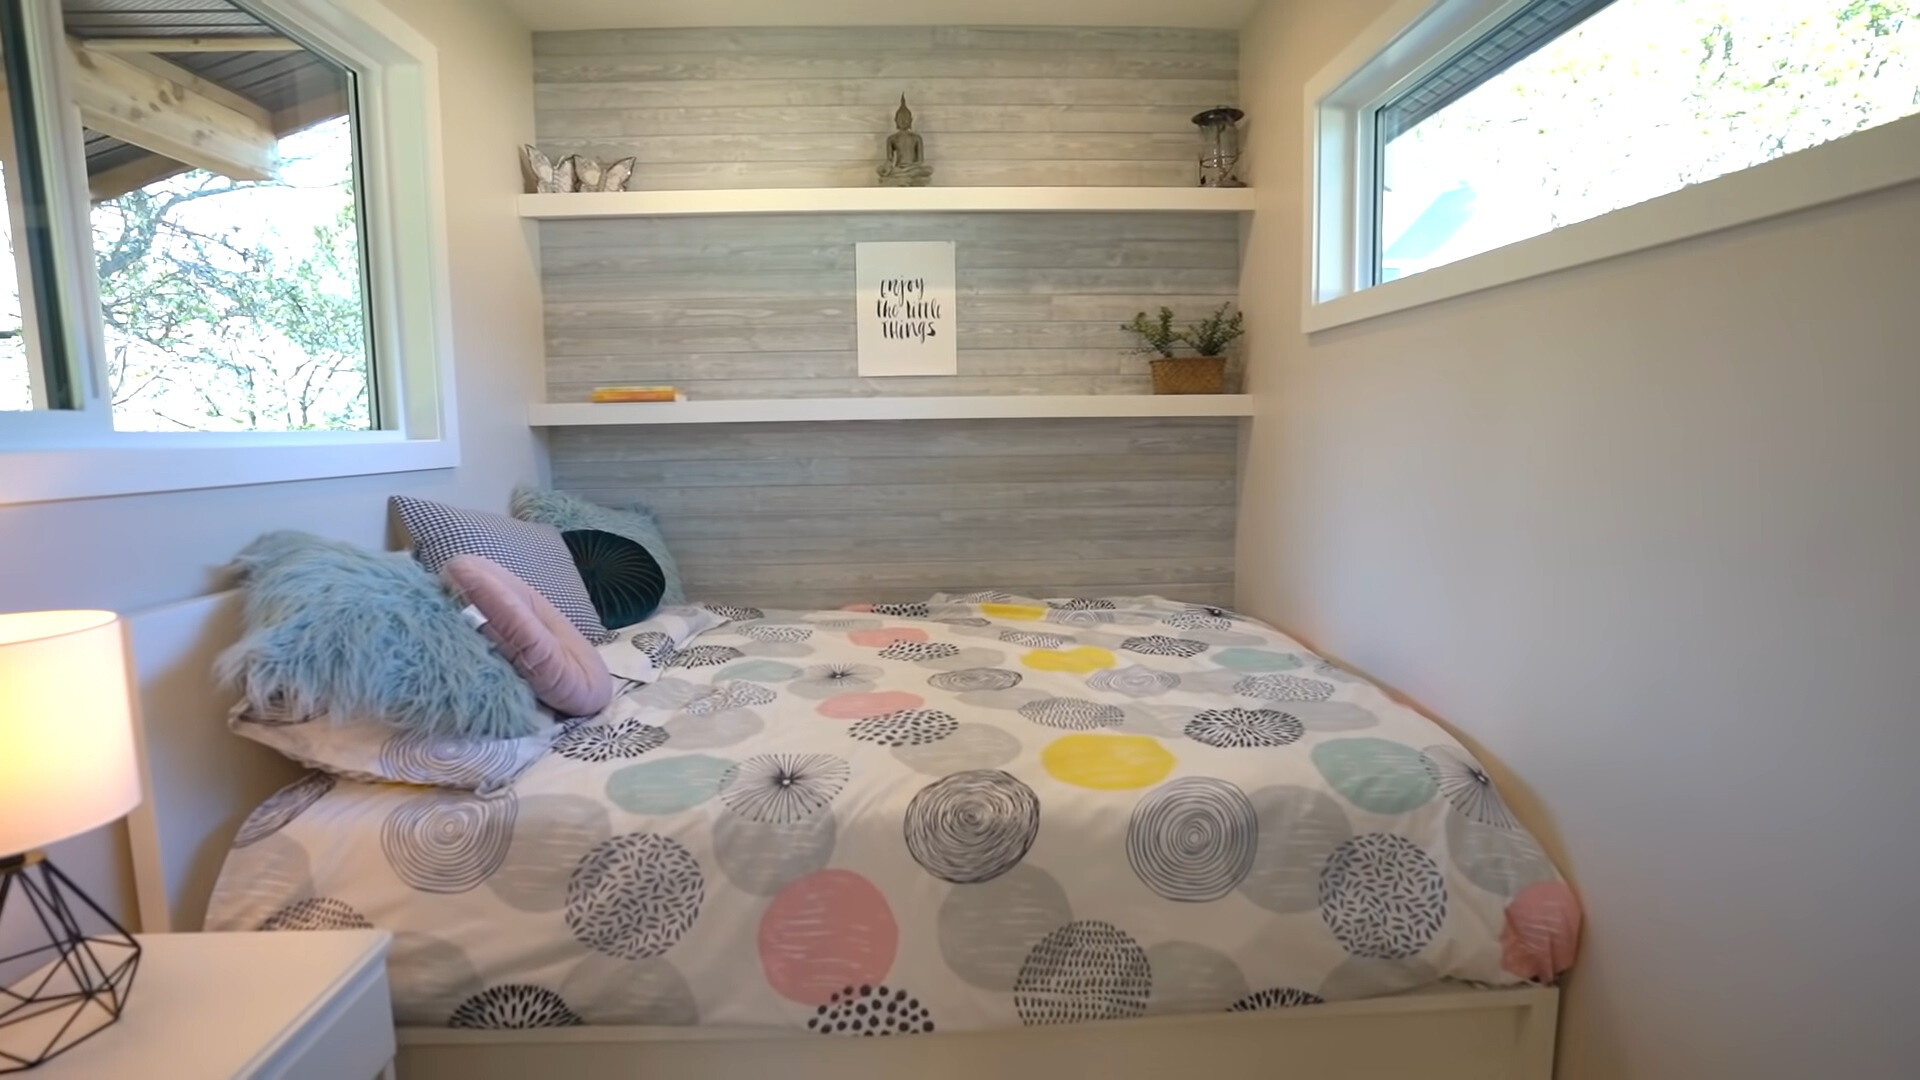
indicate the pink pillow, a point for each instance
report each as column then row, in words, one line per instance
column 553, row 656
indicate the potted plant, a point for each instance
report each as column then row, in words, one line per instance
column 1205, row 373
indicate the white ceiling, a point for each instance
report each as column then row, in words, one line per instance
column 605, row 14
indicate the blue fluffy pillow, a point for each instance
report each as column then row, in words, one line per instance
column 334, row 629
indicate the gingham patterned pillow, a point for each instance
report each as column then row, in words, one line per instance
column 535, row 553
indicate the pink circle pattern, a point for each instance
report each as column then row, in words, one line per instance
column 885, row 636
column 861, row 706
column 1542, row 935
column 825, row 932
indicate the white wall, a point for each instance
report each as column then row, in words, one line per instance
column 1646, row 531
column 135, row 552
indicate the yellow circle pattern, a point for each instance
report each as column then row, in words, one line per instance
column 1027, row 612
column 1107, row 762
column 1078, row 661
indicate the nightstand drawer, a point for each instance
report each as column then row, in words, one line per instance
column 350, row 1039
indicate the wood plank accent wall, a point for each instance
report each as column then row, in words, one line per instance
column 762, row 307
column 820, row 515
column 812, row 107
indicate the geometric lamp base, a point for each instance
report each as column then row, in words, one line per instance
column 72, row 978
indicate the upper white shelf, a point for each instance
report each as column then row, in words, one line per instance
column 789, row 410
column 882, row 200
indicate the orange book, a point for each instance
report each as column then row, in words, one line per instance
column 637, row 393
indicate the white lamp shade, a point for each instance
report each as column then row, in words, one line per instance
column 67, row 760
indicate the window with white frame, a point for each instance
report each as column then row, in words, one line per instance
column 221, row 218
column 1475, row 125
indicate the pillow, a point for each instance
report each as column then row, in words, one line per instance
column 568, row 512
column 564, row 671
column 623, row 580
column 643, row 651
column 336, row 630
column 532, row 551
column 363, row 748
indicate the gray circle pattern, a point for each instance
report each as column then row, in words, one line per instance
column 1087, row 970
column 634, row 896
column 1162, row 645
column 987, row 929
column 972, row 826
column 782, row 788
column 1193, row 840
column 1284, row 688
column 1191, row 978
column 1468, row 787
column 970, row 680
column 514, row 1007
column 550, row 836
column 1073, row 714
column 731, row 695
column 920, row 650
column 1382, row 896
column 1242, row 729
column 448, row 841
column 415, row 757
column 1300, row 827
column 1281, row 997
column 636, row 993
column 317, row 913
column 905, row 727
column 971, row 746
column 710, row 732
column 282, row 807
column 699, row 656
column 629, row 738
column 764, row 857
column 1033, row 639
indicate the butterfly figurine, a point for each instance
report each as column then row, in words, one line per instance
column 576, row 172
column 617, row 175
column 590, row 175
column 549, row 177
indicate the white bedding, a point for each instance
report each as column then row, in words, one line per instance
column 972, row 813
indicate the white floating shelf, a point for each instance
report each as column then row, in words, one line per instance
column 882, row 200
column 1005, row 406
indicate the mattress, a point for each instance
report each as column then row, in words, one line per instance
column 977, row 812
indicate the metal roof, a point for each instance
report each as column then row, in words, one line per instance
column 276, row 81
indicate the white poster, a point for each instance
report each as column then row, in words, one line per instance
column 904, row 294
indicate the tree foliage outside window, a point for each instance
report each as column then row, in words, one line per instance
column 230, row 305
column 1644, row 98
column 238, row 306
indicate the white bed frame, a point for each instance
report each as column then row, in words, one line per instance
column 201, row 783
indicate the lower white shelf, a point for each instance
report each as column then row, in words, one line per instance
column 793, row 410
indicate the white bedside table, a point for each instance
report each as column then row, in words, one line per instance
column 294, row 1005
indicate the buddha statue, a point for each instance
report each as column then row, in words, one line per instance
column 906, row 153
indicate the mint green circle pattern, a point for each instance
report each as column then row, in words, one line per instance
column 1377, row 775
column 758, row 671
column 1255, row 660
column 667, row 785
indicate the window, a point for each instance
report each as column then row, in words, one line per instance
column 230, row 272
column 224, row 230
column 1478, row 126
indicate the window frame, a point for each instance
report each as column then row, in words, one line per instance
column 55, row 454
column 1416, row 36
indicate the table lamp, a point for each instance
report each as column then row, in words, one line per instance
column 67, row 765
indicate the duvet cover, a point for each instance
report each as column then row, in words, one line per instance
column 975, row 812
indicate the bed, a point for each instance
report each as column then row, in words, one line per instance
column 1100, row 835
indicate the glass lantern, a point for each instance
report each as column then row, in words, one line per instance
column 1220, row 147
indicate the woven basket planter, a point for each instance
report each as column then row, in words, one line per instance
column 1190, row 375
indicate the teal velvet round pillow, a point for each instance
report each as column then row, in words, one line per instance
column 623, row 578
